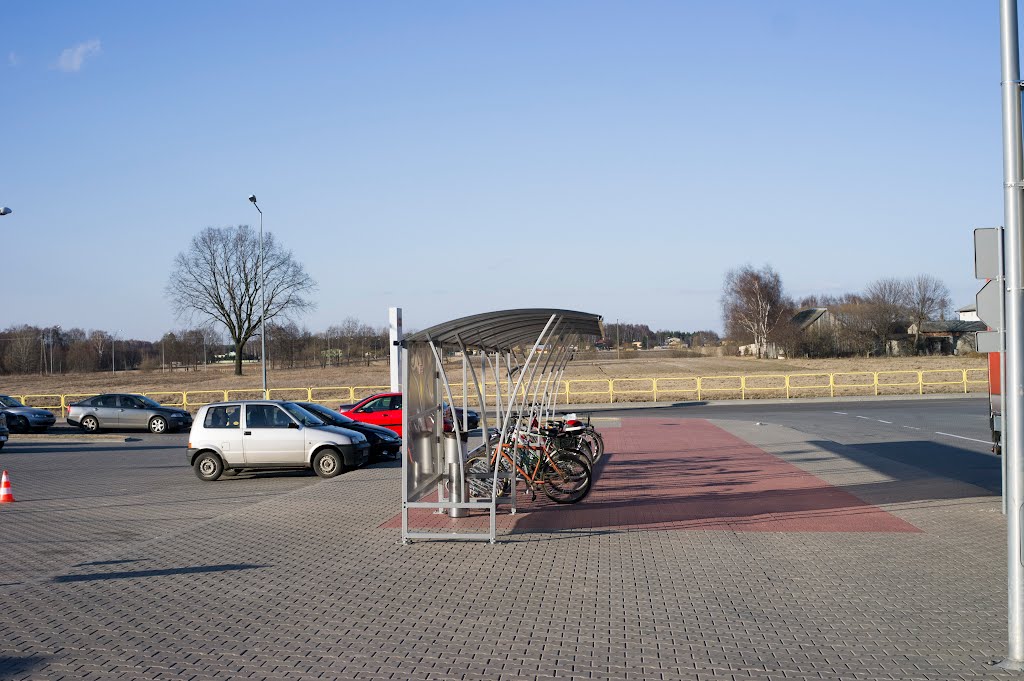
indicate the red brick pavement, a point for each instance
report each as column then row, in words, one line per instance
column 686, row 474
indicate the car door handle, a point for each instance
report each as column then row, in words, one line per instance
column 248, row 432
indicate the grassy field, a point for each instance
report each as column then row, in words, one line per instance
column 651, row 364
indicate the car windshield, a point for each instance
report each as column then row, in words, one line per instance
column 325, row 413
column 304, row 417
column 6, row 401
column 148, row 401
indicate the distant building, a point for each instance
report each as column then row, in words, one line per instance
column 815, row 320
column 969, row 313
column 947, row 337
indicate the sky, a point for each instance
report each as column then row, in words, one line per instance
column 458, row 157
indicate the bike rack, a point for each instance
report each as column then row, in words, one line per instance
column 528, row 349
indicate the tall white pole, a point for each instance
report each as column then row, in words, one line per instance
column 263, row 309
column 395, row 327
column 1013, row 423
column 263, row 303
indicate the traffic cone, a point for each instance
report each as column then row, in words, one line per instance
column 5, row 490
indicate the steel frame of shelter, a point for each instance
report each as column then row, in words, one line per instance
column 527, row 350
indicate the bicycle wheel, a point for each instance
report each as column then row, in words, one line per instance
column 567, row 478
column 596, row 443
column 480, row 477
column 572, row 442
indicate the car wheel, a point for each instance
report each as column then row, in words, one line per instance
column 158, row 424
column 327, row 463
column 19, row 424
column 89, row 424
column 208, row 466
column 2, row 445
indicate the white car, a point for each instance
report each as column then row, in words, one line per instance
column 227, row 437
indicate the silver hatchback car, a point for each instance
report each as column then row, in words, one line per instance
column 127, row 412
column 228, row 437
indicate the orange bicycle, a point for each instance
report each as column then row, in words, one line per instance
column 563, row 474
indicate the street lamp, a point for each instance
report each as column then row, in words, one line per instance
column 5, row 210
column 113, row 343
column 263, row 303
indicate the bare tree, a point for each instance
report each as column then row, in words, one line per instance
column 218, row 279
column 753, row 303
column 927, row 298
column 21, row 349
column 886, row 310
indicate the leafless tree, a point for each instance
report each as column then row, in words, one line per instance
column 100, row 342
column 927, row 298
column 753, row 303
column 218, row 279
column 885, row 311
column 21, row 349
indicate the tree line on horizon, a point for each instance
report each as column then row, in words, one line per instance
column 226, row 289
column 27, row 349
column 756, row 310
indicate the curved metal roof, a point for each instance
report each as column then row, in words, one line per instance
column 508, row 328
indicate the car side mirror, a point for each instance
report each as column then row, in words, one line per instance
column 292, row 424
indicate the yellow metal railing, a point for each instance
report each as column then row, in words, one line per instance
column 610, row 390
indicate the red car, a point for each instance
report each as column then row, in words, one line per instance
column 383, row 409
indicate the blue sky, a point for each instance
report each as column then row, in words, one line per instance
column 460, row 157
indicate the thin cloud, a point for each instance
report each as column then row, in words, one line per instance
column 71, row 59
column 13, row 59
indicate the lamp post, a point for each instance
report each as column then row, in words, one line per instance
column 263, row 302
column 5, row 210
column 113, row 344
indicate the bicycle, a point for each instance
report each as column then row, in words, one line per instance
column 575, row 434
column 564, row 475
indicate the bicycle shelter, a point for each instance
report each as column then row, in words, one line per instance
column 523, row 353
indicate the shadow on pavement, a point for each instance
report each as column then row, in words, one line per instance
column 963, row 465
column 158, row 573
column 16, row 666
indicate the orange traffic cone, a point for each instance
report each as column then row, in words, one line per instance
column 5, row 490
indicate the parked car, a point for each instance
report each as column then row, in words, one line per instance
column 22, row 419
column 384, row 443
column 126, row 412
column 472, row 417
column 228, row 437
column 385, row 409
column 4, row 433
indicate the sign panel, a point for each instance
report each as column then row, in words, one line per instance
column 987, row 263
column 988, row 341
column 988, row 300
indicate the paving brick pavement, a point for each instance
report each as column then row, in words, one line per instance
column 306, row 584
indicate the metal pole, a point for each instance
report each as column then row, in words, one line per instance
column 263, row 308
column 263, row 302
column 395, row 335
column 1013, row 424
